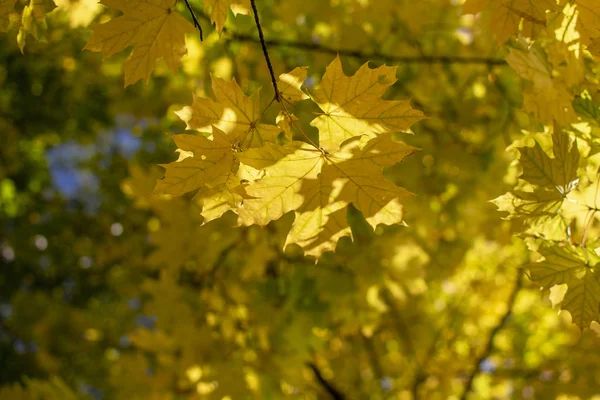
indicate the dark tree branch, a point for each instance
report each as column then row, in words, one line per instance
column 373, row 356
column 333, row 392
column 196, row 23
column 264, row 49
column 421, row 59
column 490, row 343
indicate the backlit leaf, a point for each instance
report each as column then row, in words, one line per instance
column 353, row 105
column 232, row 112
column 152, row 27
column 507, row 15
column 576, row 268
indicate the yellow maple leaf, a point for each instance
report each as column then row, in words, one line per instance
column 548, row 97
column 245, row 170
column 353, row 105
column 319, row 186
column 208, row 163
column 217, row 10
column 233, row 112
column 542, row 210
column 508, row 14
column 290, row 84
column 210, row 167
column 574, row 267
column 6, row 7
column 154, row 30
column 279, row 191
column 556, row 174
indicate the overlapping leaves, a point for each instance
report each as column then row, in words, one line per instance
column 546, row 201
column 547, row 181
column 239, row 165
column 575, row 267
column 31, row 19
column 509, row 15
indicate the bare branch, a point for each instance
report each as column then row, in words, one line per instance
column 196, row 23
column 264, row 48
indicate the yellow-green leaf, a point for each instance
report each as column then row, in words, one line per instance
column 217, row 10
column 576, row 268
column 232, row 112
column 353, row 106
column 152, row 27
column 211, row 164
column 33, row 20
column 279, row 191
column 290, row 84
column 558, row 173
column 508, row 15
column 319, row 186
column 548, row 98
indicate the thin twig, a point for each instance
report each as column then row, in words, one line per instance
column 264, row 49
column 421, row 59
column 490, row 343
column 196, row 23
column 333, row 392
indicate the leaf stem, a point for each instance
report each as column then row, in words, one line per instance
column 265, row 51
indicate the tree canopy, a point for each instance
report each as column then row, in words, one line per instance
column 344, row 199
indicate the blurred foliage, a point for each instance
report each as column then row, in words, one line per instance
column 108, row 291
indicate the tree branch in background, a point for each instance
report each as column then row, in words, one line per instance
column 264, row 49
column 421, row 59
column 335, row 394
column 490, row 343
column 196, row 23
column 319, row 48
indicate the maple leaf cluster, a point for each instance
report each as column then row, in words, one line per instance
column 238, row 163
column 260, row 171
